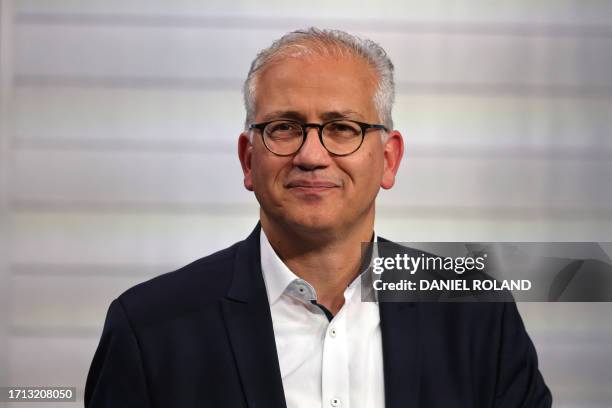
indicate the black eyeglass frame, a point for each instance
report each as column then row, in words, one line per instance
column 319, row 126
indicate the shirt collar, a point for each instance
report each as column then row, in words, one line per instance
column 276, row 274
column 279, row 279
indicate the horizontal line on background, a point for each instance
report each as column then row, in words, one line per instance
column 508, row 213
column 126, row 145
column 90, row 270
column 603, row 91
column 230, row 84
column 135, row 207
column 56, row 332
column 596, row 337
column 413, row 150
column 127, row 82
column 290, row 22
column 383, row 210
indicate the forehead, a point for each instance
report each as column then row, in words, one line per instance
column 316, row 84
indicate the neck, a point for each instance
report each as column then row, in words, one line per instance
column 328, row 260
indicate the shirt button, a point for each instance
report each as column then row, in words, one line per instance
column 335, row 402
column 333, row 332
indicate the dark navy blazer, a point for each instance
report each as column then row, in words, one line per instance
column 202, row 337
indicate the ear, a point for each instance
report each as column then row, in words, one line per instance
column 393, row 153
column 245, row 154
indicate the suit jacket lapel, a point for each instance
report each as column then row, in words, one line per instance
column 249, row 325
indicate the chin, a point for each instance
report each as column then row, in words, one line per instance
column 313, row 222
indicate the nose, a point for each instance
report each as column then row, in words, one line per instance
column 312, row 154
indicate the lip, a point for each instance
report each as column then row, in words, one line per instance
column 311, row 186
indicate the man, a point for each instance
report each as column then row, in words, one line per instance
column 277, row 320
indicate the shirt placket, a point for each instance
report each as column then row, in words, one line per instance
column 335, row 364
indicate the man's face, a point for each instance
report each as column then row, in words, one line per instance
column 313, row 190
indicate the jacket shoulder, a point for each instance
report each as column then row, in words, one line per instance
column 182, row 291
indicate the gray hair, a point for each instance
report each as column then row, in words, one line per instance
column 314, row 41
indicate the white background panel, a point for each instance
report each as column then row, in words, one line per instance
column 564, row 323
column 502, row 60
column 133, row 177
column 141, row 237
column 468, row 122
column 429, row 58
column 141, row 119
column 564, row 338
column 502, row 182
column 107, row 177
column 135, row 52
column 44, row 303
column 482, row 226
column 590, row 363
column 59, row 361
column 118, row 118
column 5, row 149
column 543, row 11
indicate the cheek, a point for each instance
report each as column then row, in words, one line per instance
column 377, row 159
column 366, row 174
column 374, row 166
column 267, row 171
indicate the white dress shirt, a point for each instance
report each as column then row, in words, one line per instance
column 323, row 363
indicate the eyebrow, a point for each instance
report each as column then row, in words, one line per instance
column 345, row 114
column 297, row 116
column 284, row 114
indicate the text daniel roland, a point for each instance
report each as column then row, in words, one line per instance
column 425, row 263
column 454, row 285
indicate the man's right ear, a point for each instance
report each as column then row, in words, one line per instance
column 245, row 154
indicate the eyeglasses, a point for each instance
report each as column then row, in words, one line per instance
column 339, row 137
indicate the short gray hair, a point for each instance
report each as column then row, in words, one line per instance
column 315, row 41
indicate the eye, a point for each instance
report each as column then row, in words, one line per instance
column 283, row 130
column 283, row 127
column 343, row 128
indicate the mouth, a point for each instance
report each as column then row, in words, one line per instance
column 311, row 187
